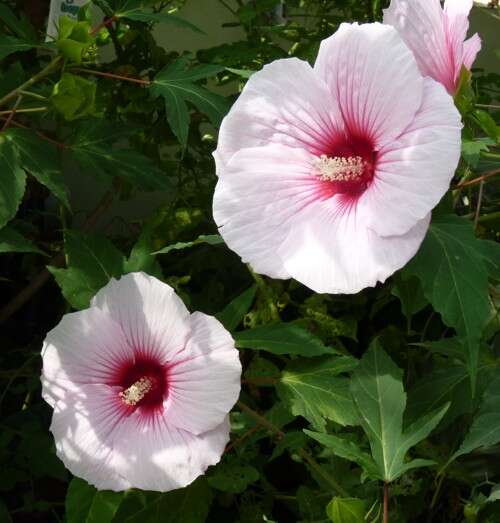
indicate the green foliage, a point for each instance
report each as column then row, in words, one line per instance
column 106, row 169
column 346, row 510
column 378, row 393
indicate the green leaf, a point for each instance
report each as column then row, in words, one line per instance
column 12, row 241
column 85, row 504
column 377, row 389
column 472, row 149
column 282, row 338
column 235, row 311
column 313, row 390
column 455, row 280
column 410, row 294
column 487, row 124
column 93, row 149
column 12, row 181
column 347, row 449
column 11, row 44
column 92, row 262
column 233, row 477
column 187, row 505
column 140, row 14
column 211, row 239
column 40, row 159
column 291, row 441
column 485, row 429
column 74, row 97
column 346, row 510
column 176, row 87
column 19, row 26
column 140, row 258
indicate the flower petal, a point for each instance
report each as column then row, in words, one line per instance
column 204, row 378
column 84, row 426
column 85, row 347
column 413, row 173
column 154, row 319
column 253, row 205
column 472, row 46
column 284, row 103
column 160, row 457
column 367, row 69
column 330, row 251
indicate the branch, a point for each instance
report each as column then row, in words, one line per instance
column 261, row 420
column 113, row 76
column 57, row 261
column 477, row 180
column 11, row 113
column 41, row 74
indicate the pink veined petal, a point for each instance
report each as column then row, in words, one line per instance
column 472, row 46
column 254, row 204
column 421, row 24
column 374, row 78
column 154, row 319
column 413, row 173
column 330, row 251
column 158, row 456
column 284, row 103
column 85, row 347
column 204, row 378
column 84, row 425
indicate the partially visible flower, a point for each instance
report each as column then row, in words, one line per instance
column 328, row 174
column 141, row 388
column 436, row 36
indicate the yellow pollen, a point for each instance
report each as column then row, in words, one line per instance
column 136, row 391
column 340, row 169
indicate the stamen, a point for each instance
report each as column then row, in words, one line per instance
column 340, row 169
column 137, row 391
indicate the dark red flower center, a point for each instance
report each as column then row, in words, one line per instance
column 143, row 383
column 347, row 166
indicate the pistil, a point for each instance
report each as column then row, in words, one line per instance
column 137, row 391
column 340, row 169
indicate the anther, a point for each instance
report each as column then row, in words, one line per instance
column 137, row 391
column 340, row 169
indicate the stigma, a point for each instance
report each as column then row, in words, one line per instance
column 339, row 168
column 137, row 391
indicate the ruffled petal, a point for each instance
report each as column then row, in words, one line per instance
column 284, row 103
column 85, row 424
column 157, row 456
column 413, row 173
column 253, row 205
column 204, row 378
column 421, row 24
column 330, row 251
column 367, row 68
column 85, row 347
column 472, row 46
column 153, row 318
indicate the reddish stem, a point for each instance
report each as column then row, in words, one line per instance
column 12, row 113
column 477, row 180
column 113, row 76
column 386, row 502
column 104, row 23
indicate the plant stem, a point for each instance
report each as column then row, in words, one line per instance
column 27, row 110
column 33, row 95
column 477, row 180
column 57, row 261
column 12, row 113
column 113, row 76
column 259, row 280
column 386, row 502
column 479, row 201
column 261, row 420
column 104, row 23
column 41, row 74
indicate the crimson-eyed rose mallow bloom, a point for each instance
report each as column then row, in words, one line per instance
column 328, row 174
column 436, row 36
column 141, row 388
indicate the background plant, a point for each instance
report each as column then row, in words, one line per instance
column 387, row 397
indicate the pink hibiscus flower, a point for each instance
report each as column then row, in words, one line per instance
column 141, row 388
column 436, row 36
column 328, row 174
